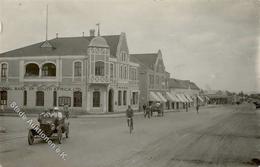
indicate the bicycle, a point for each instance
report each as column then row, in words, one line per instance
column 130, row 124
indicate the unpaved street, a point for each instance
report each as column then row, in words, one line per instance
column 217, row 136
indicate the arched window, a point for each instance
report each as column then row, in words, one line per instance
column 100, row 68
column 4, row 70
column 77, row 69
column 119, row 97
column 124, row 98
column 77, row 99
column 39, row 98
column 125, row 72
column 32, row 69
column 96, row 99
column 49, row 69
column 3, row 97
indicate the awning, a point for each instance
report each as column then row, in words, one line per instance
column 161, row 97
column 153, row 97
column 200, row 99
column 189, row 98
column 207, row 97
column 171, row 97
column 181, row 98
column 185, row 98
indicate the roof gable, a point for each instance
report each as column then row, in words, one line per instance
column 148, row 59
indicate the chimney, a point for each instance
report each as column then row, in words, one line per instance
column 57, row 35
column 92, row 32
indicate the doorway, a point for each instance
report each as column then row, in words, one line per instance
column 111, row 101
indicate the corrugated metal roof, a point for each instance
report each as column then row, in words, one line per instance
column 183, row 84
column 148, row 59
column 62, row 46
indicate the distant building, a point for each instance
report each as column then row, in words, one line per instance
column 153, row 78
column 220, row 97
column 89, row 73
column 186, row 91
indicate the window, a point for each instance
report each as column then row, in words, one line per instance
column 125, row 73
column 64, row 100
column 49, row 69
column 3, row 97
column 32, row 69
column 124, row 97
column 39, row 98
column 25, row 98
column 121, row 72
column 119, row 98
column 54, row 98
column 157, row 80
column 4, row 70
column 99, row 68
column 111, row 70
column 77, row 69
column 135, row 98
column 77, row 99
column 96, row 99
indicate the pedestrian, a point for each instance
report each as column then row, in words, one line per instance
column 147, row 112
column 162, row 109
column 197, row 108
column 66, row 110
column 186, row 107
column 144, row 108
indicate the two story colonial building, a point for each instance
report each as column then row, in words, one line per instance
column 88, row 73
column 153, row 78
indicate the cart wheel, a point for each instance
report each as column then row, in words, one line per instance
column 60, row 136
column 67, row 132
column 30, row 137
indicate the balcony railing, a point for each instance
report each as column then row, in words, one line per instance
column 99, row 79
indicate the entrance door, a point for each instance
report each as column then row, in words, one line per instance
column 110, row 101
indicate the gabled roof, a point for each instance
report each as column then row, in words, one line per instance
column 182, row 84
column 148, row 59
column 62, row 46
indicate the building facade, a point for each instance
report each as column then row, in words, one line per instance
column 153, row 78
column 88, row 73
column 187, row 92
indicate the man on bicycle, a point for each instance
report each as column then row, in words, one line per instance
column 129, row 115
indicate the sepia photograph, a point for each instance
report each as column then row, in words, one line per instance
column 130, row 83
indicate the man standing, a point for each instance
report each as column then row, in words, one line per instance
column 148, row 112
column 66, row 110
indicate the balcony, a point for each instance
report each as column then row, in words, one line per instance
column 99, row 79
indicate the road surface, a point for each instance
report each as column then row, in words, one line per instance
column 224, row 136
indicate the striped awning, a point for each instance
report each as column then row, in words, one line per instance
column 207, row 98
column 185, row 98
column 171, row 97
column 189, row 98
column 161, row 97
column 200, row 98
column 153, row 97
column 181, row 98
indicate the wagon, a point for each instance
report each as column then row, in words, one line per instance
column 51, row 127
column 157, row 109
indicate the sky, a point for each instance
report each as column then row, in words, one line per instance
column 214, row 43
